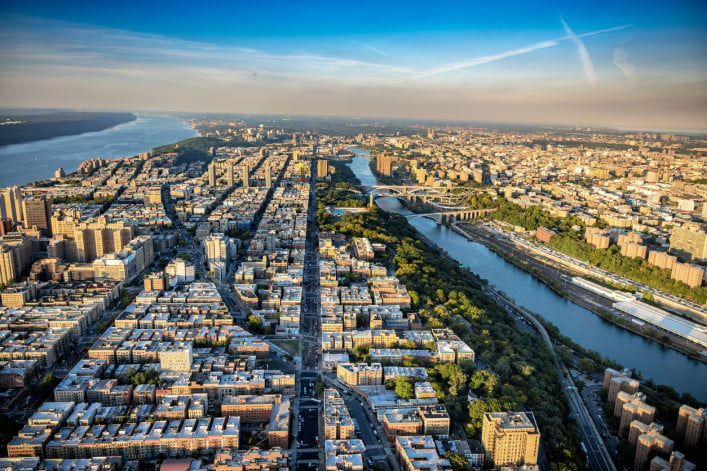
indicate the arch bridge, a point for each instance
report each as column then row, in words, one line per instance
column 448, row 217
column 424, row 194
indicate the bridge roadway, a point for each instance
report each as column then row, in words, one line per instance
column 442, row 217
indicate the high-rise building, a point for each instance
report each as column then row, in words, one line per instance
column 38, row 212
column 677, row 463
column 322, row 168
column 691, row 275
column 15, row 255
column 610, row 373
column 7, row 266
column 616, row 381
column 229, row 175
column 91, row 239
column 662, row 259
column 651, row 443
column 211, row 169
column 268, row 176
column 384, row 164
column 689, row 241
column 631, row 407
column 638, row 428
column 246, row 176
column 510, row 438
column 216, row 246
column 11, row 204
column 692, row 425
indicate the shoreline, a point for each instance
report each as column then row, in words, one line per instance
column 124, row 140
column 595, row 307
column 87, row 128
column 590, row 301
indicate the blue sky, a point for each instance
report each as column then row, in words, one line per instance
column 622, row 64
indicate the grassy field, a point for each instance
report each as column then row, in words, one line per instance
column 290, row 345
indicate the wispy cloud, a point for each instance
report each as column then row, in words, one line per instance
column 621, row 61
column 454, row 66
column 587, row 64
column 50, row 44
column 374, row 49
column 55, row 43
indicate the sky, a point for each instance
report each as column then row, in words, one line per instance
column 626, row 64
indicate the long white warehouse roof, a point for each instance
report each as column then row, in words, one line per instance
column 677, row 325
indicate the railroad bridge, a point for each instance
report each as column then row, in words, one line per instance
column 448, row 217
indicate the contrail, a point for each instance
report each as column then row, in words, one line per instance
column 514, row 52
column 374, row 49
column 601, row 31
column 620, row 61
column 587, row 64
column 486, row 59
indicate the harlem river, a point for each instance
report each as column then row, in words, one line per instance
column 37, row 160
column 663, row 365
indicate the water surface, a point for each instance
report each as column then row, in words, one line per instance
column 37, row 160
column 664, row 365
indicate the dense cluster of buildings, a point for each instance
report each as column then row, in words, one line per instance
column 636, row 424
column 169, row 377
column 173, row 376
column 166, row 379
column 643, row 184
column 364, row 309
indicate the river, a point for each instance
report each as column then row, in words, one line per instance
column 664, row 365
column 37, row 160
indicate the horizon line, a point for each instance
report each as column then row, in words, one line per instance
column 695, row 132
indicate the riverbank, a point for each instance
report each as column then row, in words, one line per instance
column 557, row 279
column 665, row 366
column 43, row 157
column 48, row 126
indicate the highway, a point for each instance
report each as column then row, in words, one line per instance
column 598, row 456
column 690, row 309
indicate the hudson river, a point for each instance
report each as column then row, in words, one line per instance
column 37, row 160
column 664, row 365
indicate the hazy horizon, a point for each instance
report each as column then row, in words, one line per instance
column 633, row 66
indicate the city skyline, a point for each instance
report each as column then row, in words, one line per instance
column 637, row 66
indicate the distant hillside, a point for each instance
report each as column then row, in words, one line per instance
column 18, row 128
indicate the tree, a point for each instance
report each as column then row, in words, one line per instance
column 585, row 364
column 484, row 379
column 254, row 324
column 360, row 353
column 319, row 387
column 404, row 387
column 478, row 408
column 457, row 460
column 455, row 377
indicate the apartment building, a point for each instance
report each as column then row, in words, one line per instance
column 510, row 438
